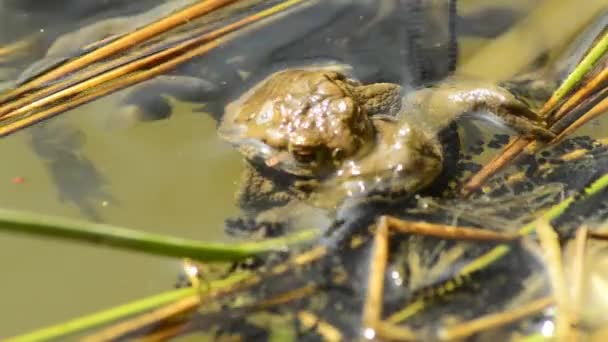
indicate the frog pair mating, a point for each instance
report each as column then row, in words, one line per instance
column 346, row 138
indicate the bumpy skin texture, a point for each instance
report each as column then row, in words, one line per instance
column 309, row 121
column 337, row 138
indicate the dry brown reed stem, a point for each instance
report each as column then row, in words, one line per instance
column 552, row 253
column 324, row 329
column 466, row 329
column 121, row 329
column 101, row 91
column 391, row 332
column 372, row 324
column 578, row 273
column 165, row 333
column 517, row 145
column 448, row 232
column 23, row 106
column 598, row 235
column 597, row 110
column 372, row 310
column 28, row 101
column 121, row 44
column 510, row 152
column 286, row 297
column 129, row 80
column 585, row 91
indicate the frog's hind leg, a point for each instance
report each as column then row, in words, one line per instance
column 440, row 105
column 450, row 144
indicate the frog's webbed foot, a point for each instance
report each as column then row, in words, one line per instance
column 446, row 102
column 379, row 98
column 147, row 101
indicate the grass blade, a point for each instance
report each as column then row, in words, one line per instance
column 157, row 244
column 103, row 317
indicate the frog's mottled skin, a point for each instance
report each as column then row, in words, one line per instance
column 341, row 138
column 307, row 122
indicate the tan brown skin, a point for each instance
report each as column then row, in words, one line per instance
column 309, row 121
column 349, row 138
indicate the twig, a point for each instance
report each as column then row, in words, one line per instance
column 95, row 70
column 446, row 231
column 552, row 253
column 372, row 311
column 286, row 297
column 581, row 94
column 579, row 72
column 597, row 110
column 123, row 43
column 498, row 252
column 472, row 327
column 578, row 271
column 117, row 331
column 165, row 333
column 326, row 330
column 104, row 317
column 510, row 152
column 598, row 235
column 127, row 81
column 517, row 145
column 393, row 332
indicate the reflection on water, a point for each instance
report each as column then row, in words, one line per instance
column 173, row 177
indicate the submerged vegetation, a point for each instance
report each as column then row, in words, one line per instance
column 499, row 251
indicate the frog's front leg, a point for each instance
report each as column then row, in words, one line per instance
column 272, row 202
column 442, row 104
column 148, row 100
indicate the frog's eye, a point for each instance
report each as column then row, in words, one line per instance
column 303, row 156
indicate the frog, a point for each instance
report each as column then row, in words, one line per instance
column 334, row 137
column 222, row 73
column 212, row 80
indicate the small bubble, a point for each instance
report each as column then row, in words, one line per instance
column 548, row 329
column 369, row 333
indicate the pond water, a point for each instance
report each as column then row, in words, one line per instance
column 159, row 190
column 171, row 176
column 174, row 176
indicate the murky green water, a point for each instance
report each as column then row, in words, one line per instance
column 173, row 177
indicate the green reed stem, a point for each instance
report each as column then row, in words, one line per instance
column 14, row 221
column 103, row 317
column 582, row 68
column 499, row 251
column 62, row 330
column 534, row 338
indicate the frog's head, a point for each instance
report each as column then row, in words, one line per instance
column 305, row 122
